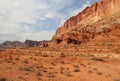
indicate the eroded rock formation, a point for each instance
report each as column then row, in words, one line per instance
column 27, row 43
column 92, row 21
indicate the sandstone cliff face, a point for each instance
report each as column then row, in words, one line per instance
column 92, row 21
column 91, row 14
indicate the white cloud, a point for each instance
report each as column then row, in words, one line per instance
column 42, row 18
column 50, row 15
column 54, row 15
column 15, row 13
column 42, row 6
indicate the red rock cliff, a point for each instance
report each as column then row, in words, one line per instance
column 91, row 15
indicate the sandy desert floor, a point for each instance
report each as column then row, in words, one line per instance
column 44, row 64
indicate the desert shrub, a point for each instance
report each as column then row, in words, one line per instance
column 10, row 80
column 39, row 73
column 62, row 55
column 39, row 66
column 68, row 72
column 53, row 63
column 98, row 59
column 31, row 57
column 8, row 60
column 1, row 61
column 45, row 55
column 95, row 69
column 62, row 62
column 99, row 73
column 26, row 61
column 76, row 68
column 62, row 70
column 82, row 64
column 89, row 63
column 117, row 50
column 90, row 71
column 44, row 69
column 3, row 79
column 117, row 79
column 17, row 58
column 51, row 74
column 26, row 68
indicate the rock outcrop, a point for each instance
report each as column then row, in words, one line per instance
column 91, row 14
column 10, row 44
column 27, row 43
column 90, row 23
column 31, row 43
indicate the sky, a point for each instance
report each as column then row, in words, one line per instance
column 36, row 19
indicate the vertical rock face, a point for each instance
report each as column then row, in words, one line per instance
column 69, row 24
column 91, row 14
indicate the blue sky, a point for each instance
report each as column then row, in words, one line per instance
column 36, row 19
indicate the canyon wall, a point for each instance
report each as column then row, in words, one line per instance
column 91, row 15
column 91, row 24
